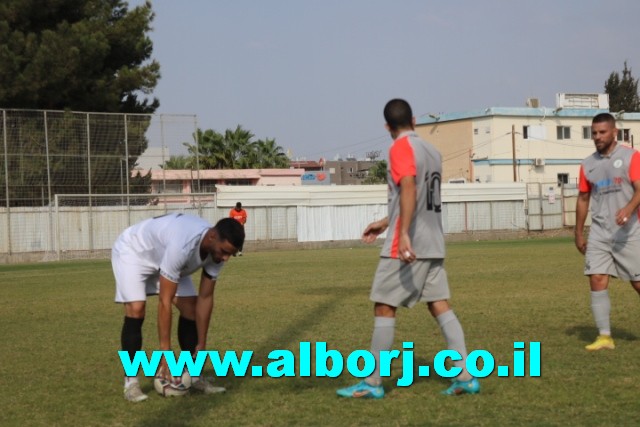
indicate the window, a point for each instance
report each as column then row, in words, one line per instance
column 586, row 132
column 475, row 131
column 532, row 132
column 623, row 135
column 563, row 178
column 206, row 185
column 564, row 132
column 239, row 182
column 171, row 187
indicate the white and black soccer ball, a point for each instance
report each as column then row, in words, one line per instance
column 168, row 388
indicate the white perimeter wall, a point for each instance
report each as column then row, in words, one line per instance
column 297, row 213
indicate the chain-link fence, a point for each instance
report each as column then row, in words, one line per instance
column 45, row 153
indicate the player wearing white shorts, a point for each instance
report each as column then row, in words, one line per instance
column 610, row 183
column 411, row 267
column 157, row 257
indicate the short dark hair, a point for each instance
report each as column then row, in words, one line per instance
column 230, row 230
column 604, row 118
column 239, row 205
column 398, row 114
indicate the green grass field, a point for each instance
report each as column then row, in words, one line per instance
column 61, row 331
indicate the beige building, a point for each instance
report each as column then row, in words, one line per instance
column 528, row 144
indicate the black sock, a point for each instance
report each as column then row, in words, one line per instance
column 131, row 337
column 187, row 334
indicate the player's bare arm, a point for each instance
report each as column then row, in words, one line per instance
column 374, row 229
column 407, row 209
column 166, row 296
column 204, row 308
column 624, row 214
column 582, row 208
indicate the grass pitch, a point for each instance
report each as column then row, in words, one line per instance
column 61, row 331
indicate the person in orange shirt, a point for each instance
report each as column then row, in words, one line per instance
column 239, row 215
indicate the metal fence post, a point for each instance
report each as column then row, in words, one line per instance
column 89, row 181
column 6, row 179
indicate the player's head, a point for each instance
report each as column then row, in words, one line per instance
column 230, row 230
column 226, row 237
column 398, row 115
column 604, row 132
column 238, row 206
column 604, row 118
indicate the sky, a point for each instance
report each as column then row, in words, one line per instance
column 315, row 74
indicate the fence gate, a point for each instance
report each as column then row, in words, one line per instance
column 544, row 206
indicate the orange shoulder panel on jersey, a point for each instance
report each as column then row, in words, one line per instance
column 584, row 186
column 634, row 167
column 402, row 160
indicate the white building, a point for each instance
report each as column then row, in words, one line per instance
column 526, row 144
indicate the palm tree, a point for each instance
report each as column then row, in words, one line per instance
column 237, row 146
column 234, row 150
column 177, row 162
column 271, row 155
column 208, row 151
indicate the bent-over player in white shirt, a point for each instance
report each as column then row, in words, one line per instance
column 157, row 257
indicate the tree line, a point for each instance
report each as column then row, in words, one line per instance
column 233, row 149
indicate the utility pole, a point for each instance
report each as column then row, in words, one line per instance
column 513, row 150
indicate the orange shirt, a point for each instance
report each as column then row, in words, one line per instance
column 240, row 216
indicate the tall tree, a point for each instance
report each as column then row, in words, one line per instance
column 82, row 55
column 86, row 55
column 623, row 92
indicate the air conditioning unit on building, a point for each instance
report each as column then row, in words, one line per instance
column 533, row 102
column 538, row 162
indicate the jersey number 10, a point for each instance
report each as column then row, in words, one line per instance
column 434, row 201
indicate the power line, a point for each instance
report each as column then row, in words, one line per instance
column 347, row 147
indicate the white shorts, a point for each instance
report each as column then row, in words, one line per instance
column 134, row 281
column 617, row 259
column 397, row 283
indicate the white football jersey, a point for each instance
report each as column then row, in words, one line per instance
column 169, row 243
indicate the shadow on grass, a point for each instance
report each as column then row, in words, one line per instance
column 588, row 333
column 186, row 408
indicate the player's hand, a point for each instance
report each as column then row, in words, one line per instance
column 581, row 244
column 622, row 217
column 405, row 250
column 373, row 230
column 164, row 372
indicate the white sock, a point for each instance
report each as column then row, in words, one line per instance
column 130, row 380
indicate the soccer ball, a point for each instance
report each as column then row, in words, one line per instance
column 168, row 388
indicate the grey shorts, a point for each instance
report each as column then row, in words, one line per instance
column 135, row 281
column 618, row 259
column 397, row 283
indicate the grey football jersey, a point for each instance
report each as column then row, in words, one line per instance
column 610, row 179
column 412, row 156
